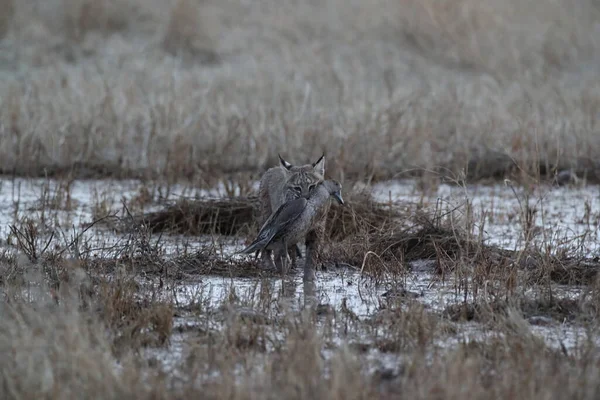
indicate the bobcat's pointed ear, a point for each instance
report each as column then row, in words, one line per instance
column 319, row 165
column 284, row 163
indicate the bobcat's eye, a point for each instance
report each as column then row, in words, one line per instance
column 297, row 189
column 311, row 187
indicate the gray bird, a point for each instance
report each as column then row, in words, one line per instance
column 292, row 220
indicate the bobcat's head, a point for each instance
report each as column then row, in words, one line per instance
column 303, row 179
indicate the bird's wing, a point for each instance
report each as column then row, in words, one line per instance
column 282, row 218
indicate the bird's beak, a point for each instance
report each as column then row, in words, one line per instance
column 338, row 197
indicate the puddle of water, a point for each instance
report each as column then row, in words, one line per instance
column 361, row 298
column 364, row 299
column 562, row 214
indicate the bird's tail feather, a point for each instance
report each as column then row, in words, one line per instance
column 253, row 247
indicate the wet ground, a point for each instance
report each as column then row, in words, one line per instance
column 563, row 216
column 566, row 215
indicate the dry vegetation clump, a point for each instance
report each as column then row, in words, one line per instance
column 419, row 236
column 454, row 250
column 418, row 242
column 238, row 215
column 564, row 269
column 361, row 222
column 115, row 302
column 361, row 214
column 230, row 216
column 537, row 310
column 185, row 267
column 513, row 366
column 207, row 262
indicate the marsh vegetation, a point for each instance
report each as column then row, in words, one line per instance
column 109, row 294
column 466, row 136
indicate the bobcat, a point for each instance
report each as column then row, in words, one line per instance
column 284, row 183
column 291, row 221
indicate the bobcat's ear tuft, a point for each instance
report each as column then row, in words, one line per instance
column 319, row 165
column 284, row 163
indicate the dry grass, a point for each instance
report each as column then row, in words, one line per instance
column 115, row 326
column 60, row 346
column 458, row 89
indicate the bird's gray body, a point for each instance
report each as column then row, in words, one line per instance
column 290, row 223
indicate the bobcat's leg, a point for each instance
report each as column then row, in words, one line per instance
column 267, row 261
column 281, row 259
column 313, row 244
column 285, row 252
column 292, row 253
column 298, row 252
